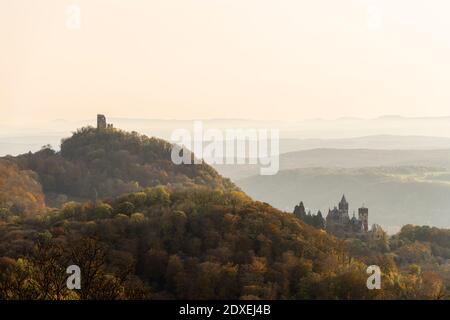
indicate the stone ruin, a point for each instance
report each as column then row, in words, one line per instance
column 101, row 123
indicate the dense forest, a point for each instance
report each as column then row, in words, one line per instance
column 183, row 232
column 96, row 164
column 20, row 192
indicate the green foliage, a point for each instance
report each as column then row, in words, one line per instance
column 200, row 244
column 42, row 275
column 95, row 164
column 137, row 217
column 102, row 211
column 144, row 228
column 126, row 207
column 4, row 213
column 159, row 194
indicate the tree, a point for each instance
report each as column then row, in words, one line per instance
column 102, row 211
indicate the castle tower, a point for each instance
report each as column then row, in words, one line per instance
column 101, row 122
column 363, row 216
column 343, row 206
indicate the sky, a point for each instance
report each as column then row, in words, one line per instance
column 197, row 59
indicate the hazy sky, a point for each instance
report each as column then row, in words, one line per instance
column 260, row 59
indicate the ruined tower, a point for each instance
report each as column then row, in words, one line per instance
column 363, row 216
column 101, row 122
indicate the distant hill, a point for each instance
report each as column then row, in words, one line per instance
column 346, row 158
column 365, row 158
column 395, row 196
column 95, row 164
column 378, row 142
column 389, row 132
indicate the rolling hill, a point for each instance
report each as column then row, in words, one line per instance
column 188, row 233
column 346, row 158
column 95, row 164
column 395, row 195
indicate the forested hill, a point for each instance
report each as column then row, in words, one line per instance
column 198, row 243
column 97, row 164
column 161, row 231
column 191, row 243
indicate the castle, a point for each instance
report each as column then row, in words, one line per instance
column 338, row 221
column 101, row 123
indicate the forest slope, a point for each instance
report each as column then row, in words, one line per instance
column 97, row 164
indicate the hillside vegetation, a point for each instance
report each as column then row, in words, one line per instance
column 20, row 192
column 183, row 232
column 189, row 244
column 97, row 164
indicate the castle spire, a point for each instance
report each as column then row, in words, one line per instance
column 343, row 206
